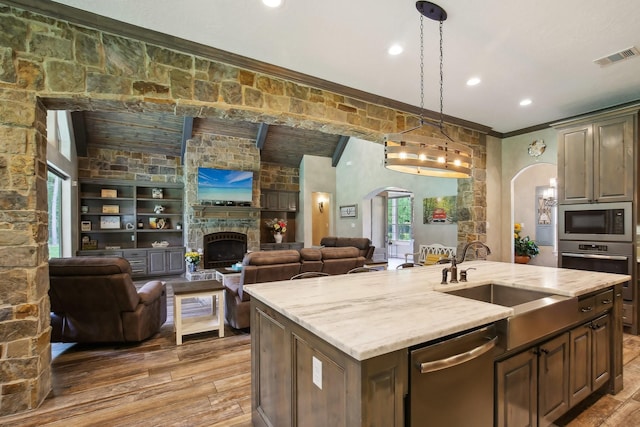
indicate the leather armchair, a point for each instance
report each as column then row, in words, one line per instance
column 93, row 299
column 258, row 267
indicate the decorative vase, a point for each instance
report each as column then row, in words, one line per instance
column 278, row 237
column 191, row 267
column 522, row 259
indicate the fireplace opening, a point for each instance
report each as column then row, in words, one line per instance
column 223, row 249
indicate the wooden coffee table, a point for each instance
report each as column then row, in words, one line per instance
column 195, row 324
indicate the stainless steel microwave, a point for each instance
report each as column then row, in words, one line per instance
column 607, row 222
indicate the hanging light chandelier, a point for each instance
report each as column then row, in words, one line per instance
column 427, row 155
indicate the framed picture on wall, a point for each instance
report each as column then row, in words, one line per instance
column 349, row 211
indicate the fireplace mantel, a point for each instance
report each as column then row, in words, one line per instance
column 232, row 212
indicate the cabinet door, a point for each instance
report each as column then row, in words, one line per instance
column 517, row 390
column 175, row 261
column 601, row 331
column 580, row 364
column 613, row 159
column 271, row 370
column 271, row 200
column 575, row 165
column 553, row 379
column 292, row 202
column 156, row 264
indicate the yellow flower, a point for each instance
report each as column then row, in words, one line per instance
column 517, row 227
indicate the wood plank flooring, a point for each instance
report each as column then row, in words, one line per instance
column 207, row 382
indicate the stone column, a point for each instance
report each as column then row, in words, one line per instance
column 25, row 350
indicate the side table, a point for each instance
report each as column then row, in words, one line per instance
column 192, row 325
column 228, row 276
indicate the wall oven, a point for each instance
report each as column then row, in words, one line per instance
column 606, row 257
column 609, row 222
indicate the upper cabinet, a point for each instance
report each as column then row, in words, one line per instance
column 274, row 200
column 596, row 158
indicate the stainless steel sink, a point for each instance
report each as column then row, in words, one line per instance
column 501, row 295
column 536, row 313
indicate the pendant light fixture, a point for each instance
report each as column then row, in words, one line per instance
column 426, row 155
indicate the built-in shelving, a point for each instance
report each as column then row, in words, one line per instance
column 121, row 218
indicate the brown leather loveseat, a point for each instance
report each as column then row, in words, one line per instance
column 93, row 299
column 271, row 266
column 362, row 243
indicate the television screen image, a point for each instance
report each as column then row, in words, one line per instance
column 222, row 184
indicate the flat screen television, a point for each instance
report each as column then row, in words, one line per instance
column 225, row 185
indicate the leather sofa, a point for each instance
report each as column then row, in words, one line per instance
column 94, row 300
column 362, row 243
column 271, row 266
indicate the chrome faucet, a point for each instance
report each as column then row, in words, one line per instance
column 470, row 244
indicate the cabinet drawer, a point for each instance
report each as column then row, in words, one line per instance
column 138, row 266
column 108, row 253
column 587, row 306
column 604, row 300
column 135, row 254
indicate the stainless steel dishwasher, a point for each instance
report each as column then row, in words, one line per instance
column 451, row 382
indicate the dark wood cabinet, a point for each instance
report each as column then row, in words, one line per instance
column 148, row 262
column 553, row 379
column 590, row 357
column 279, row 201
column 532, row 387
column 596, row 159
column 300, row 380
column 121, row 218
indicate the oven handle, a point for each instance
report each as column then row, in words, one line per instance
column 457, row 359
column 595, row 256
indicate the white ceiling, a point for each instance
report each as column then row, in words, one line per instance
column 543, row 50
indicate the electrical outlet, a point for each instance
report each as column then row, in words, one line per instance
column 317, row 371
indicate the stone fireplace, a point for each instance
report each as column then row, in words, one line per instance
column 223, row 249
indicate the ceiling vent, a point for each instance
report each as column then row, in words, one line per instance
column 618, row 56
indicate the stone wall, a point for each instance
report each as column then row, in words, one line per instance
column 70, row 67
column 129, row 165
column 25, row 351
column 282, row 178
column 223, row 152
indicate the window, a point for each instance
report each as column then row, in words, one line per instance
column 54, row 195
column 399, row 213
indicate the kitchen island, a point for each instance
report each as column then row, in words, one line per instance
column 335, row 350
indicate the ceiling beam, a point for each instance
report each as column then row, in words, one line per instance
column 342, row 143
column 261, row 137
column 187, row 132
column 79, row 132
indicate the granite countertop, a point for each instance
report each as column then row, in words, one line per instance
column 370, row 314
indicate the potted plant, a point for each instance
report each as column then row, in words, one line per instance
column 278, row 227
column 524, row 247
column 192, row 259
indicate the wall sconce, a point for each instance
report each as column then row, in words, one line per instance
column 321, row 206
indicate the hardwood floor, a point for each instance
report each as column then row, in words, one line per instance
column 207, row 382
column 204, row 382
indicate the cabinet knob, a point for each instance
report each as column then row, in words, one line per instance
column 586, row 309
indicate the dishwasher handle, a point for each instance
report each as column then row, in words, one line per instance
column 457, row 359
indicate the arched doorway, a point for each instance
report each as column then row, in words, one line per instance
column 528, row 209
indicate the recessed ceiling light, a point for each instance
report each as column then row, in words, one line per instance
column 473, row 81
column 395, row 49
column 272, row 3
column 525, row 102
